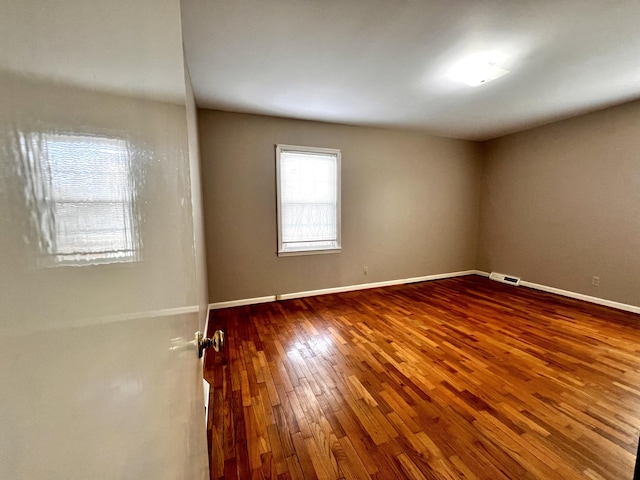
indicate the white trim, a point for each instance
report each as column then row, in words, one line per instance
column 363, row 286
column 350, row 288
column 281, row 148
column 242, row 302
column 293, row 253
column 575, row 295
column 583, row 297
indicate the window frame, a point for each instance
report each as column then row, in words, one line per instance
column 280, row 148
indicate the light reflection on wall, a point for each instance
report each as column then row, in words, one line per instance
column 82, row 196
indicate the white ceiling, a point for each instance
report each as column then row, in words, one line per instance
column 385, row 62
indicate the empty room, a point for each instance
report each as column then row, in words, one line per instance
column 391, row 354
column 319, row 239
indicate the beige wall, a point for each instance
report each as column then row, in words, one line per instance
column 409, row 205
column 561, row 203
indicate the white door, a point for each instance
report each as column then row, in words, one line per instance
column 101, row 262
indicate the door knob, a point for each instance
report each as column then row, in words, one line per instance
column 217, row 342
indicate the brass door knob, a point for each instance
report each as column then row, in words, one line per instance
column 217, row 342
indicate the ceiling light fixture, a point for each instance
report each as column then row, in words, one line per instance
column 475, row 71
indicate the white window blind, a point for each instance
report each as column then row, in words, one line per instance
column 85, row 193
column 308, row 199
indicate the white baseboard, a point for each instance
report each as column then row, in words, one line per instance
column 364, row 286
column 583, row 297
column 348, row 288
column 575, row 295
column 242, row 302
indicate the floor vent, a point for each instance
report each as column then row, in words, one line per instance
column 501, row 277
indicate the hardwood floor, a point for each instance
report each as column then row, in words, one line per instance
column 458, row 378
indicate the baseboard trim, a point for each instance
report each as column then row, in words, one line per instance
column 347, row 288
column 242, row 302
column 575, row 295
column 365, row 286
column 350, row 288
column 583, row 297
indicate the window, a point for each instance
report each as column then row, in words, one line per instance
column 308, row 200
column 84, row 192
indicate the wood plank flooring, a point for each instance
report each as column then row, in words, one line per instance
column 458, row 378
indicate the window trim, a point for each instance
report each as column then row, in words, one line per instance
column 280, row 148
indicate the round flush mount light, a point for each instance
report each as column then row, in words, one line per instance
column 476, row 70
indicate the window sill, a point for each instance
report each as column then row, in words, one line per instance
column 296, row 253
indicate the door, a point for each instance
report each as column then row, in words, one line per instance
column 101, row 262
